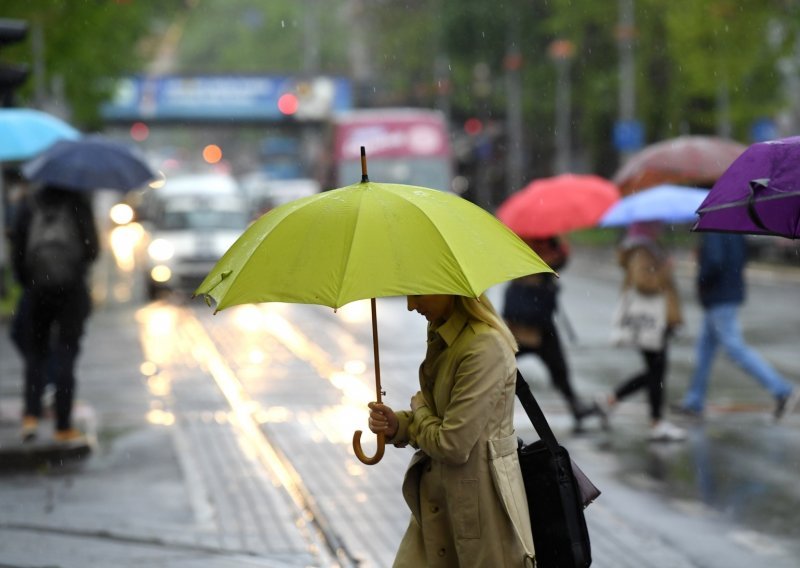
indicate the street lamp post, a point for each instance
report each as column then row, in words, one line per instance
column 627, row 81
column 561, row 52
column 482, row 89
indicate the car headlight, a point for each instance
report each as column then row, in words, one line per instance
column 161, row 274
column 161, row 250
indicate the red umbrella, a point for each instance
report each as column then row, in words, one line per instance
column 557, row 205
column 685, row 160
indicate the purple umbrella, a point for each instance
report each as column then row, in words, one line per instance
column 758, row 194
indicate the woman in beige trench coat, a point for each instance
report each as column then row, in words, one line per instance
column 463, row 485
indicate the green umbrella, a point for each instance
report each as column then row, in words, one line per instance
column 368, row 240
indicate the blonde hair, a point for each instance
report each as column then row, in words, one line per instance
column 481, row 309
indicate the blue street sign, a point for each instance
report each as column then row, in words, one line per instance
column 226, row 97
column 628, row 135
column 763, row 129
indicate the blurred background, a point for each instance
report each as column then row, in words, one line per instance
column 528, row 89
column 464, row 96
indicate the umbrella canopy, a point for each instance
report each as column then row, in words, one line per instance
column 759, row 193
column 93, row 162
column 368, row 240
column 25, row 133
column 557, row 205
column 664, row 203
column 685, row 160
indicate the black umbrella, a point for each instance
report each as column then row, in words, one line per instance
column 92, row 162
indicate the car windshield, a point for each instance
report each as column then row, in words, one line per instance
column 203, row 219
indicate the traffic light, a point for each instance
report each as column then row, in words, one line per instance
column 11, row 76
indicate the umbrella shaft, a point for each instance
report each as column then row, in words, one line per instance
column 378, row 391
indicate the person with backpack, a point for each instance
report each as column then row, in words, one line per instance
column 54, row 242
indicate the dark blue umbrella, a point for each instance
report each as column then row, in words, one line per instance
column 93, row 162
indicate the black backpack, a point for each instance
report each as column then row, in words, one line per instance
column 54, row 255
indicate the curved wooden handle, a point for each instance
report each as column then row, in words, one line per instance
column 378, row 392
column 359, row 452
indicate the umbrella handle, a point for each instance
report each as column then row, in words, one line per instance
column 360, row 453
column 378, row 391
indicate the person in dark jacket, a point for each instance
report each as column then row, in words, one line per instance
column 56, row 315
column 529, row 309
column 721, row 289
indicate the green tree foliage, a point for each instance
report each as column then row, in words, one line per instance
column 712, row 56
column 86, row 44
column 700, row 64
column 253, row 36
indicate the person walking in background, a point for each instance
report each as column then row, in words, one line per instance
column 649, row 279
column 461, row 484
column 529, row 310
column 721, row 289
column 54, row 242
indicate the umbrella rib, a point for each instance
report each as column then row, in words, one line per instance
column 260, row 239
column 346, row 267
column 424, row 215
column 743, row 202
column 442, row 236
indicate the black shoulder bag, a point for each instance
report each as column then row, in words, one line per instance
column 557, row 492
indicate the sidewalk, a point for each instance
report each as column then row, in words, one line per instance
column 150, row 495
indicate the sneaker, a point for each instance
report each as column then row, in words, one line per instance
column 686, row 412
column 30, row 428
column 68, row 435
column 664, row 431
column 786, row 404
column 601, row 409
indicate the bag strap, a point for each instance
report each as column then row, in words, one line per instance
column 534, row 412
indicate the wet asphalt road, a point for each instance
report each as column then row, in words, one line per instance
column 733, row 482
column 727, row 497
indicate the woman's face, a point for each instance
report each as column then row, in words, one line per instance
column 435, row 307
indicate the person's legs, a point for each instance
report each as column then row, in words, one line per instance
column 651, row 378
column 632, row 385
column 707, row 342
column 746, row 357
column 656, row 373
column 21, row 323
column 551, row 353
column 552, row 356
column 41, row 320
column 71, row 317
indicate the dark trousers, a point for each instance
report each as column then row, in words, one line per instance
column 552, row 356
column 56, row 328
column 652, row 378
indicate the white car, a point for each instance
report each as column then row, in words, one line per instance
column 191, row 222
column 265, row 193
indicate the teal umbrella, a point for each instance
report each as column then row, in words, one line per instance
column 25, row 132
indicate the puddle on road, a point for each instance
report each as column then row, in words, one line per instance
column 742, row 468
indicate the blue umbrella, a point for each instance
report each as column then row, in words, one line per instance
column 26, row 132
column 665, row 203
column 93, row 162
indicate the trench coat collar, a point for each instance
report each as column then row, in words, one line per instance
column 451, row 329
